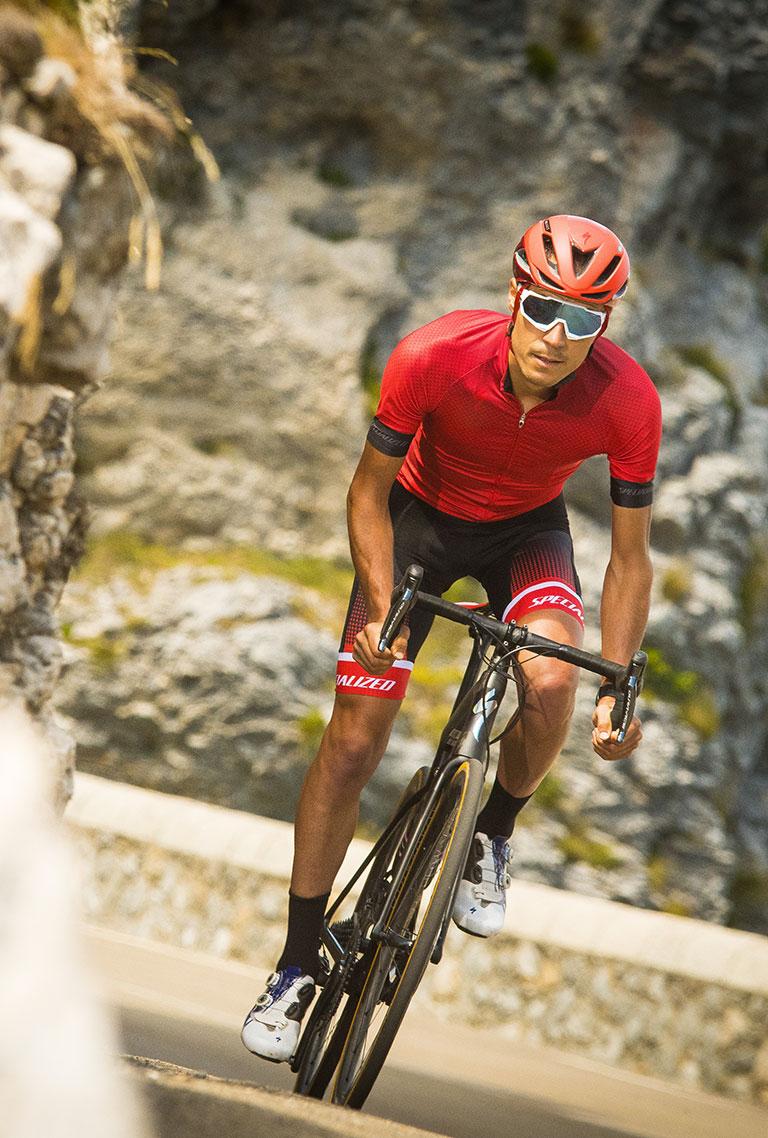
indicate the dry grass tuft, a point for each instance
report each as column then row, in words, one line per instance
column 116, row 112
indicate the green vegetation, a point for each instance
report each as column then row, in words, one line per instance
column 693, row 698
column 665, row 681
column 427, row 717
column 578, row 32
column 542, row 62
column 748, row 890
column 753, row 588
column 703, row 356
column 700, row 712
column 658, row 872
column 677, row 582
column 68, row 10
column 105, row 652
column 550, row 794
column 311, row 726
column 677, row 907
column 334, row 175
column 337, row 234
column 579, row 846
column 124, row 552
column 370, row 375
column 218, row 447
column 439, row 669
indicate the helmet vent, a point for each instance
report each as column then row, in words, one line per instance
column 549, row 250
column 550, row 283
column 581, row 260
column 608, row 271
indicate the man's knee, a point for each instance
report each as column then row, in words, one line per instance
column 354, row 741
column 552, row 689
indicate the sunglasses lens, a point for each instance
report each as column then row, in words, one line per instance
column 579, row 322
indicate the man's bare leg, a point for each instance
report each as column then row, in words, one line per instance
column 350, row 751
column 533, row 745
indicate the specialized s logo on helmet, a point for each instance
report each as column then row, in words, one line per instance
column 573, row 256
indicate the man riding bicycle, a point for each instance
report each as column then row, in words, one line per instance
column 480, row 422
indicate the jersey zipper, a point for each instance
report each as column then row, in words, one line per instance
column 521, row 420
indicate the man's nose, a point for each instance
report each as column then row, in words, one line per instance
column 556, row 335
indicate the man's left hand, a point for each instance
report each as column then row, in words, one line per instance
column 604, row 736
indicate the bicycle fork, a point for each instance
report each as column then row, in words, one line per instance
column 475, row 749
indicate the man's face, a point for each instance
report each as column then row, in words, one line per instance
column 543, row 359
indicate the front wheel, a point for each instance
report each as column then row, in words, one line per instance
column 328, row 1025
column 392, row 974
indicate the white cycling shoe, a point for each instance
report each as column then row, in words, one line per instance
column 271, row 1028
column 481, row 900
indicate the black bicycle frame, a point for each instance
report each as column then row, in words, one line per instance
column 466, row 736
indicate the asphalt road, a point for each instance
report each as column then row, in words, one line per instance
column 449, row 1107
column 187, row 1009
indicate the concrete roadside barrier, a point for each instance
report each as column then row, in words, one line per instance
column 660, row 995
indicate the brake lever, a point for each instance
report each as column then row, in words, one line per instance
column 403, row 600
column 623, row 710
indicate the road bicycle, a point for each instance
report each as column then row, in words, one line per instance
column 379, row 937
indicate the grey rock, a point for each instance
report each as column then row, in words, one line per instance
column 39, row 171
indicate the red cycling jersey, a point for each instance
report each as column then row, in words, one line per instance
column 446, row 404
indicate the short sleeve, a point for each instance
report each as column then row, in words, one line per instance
column 633, row 450
column 414, row 379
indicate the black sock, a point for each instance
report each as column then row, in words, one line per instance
column 302, row 942
column 497, row 818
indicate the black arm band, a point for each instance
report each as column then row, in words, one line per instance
column 632, row 494
column 607, row 689
column 385, row 439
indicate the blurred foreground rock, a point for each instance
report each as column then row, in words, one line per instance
column 57, row 1049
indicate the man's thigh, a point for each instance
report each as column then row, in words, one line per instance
column 536, row 584
column 363, row 721
column 417, row 538
column 534, row 578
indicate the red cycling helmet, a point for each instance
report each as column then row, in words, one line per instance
column 574, row 256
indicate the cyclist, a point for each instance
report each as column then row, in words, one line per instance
column 481, row 421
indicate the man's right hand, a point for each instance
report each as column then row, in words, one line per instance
column 366, row 649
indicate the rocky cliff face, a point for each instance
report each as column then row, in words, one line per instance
column 378, row 162
column 65, row 209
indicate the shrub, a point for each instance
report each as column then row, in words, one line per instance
column 578, row 32
column 542, row 62
column 753, row 588
column 578, row 846
column 676, row 582
column 370, row 375
column 691, row 695
column 311, row 726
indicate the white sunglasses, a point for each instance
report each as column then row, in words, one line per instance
column 545, row 311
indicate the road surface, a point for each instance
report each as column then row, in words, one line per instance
column 188, row 1009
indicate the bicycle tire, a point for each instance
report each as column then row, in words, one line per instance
column 316, row 1056
column 393, row 974
column 329, row 1022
